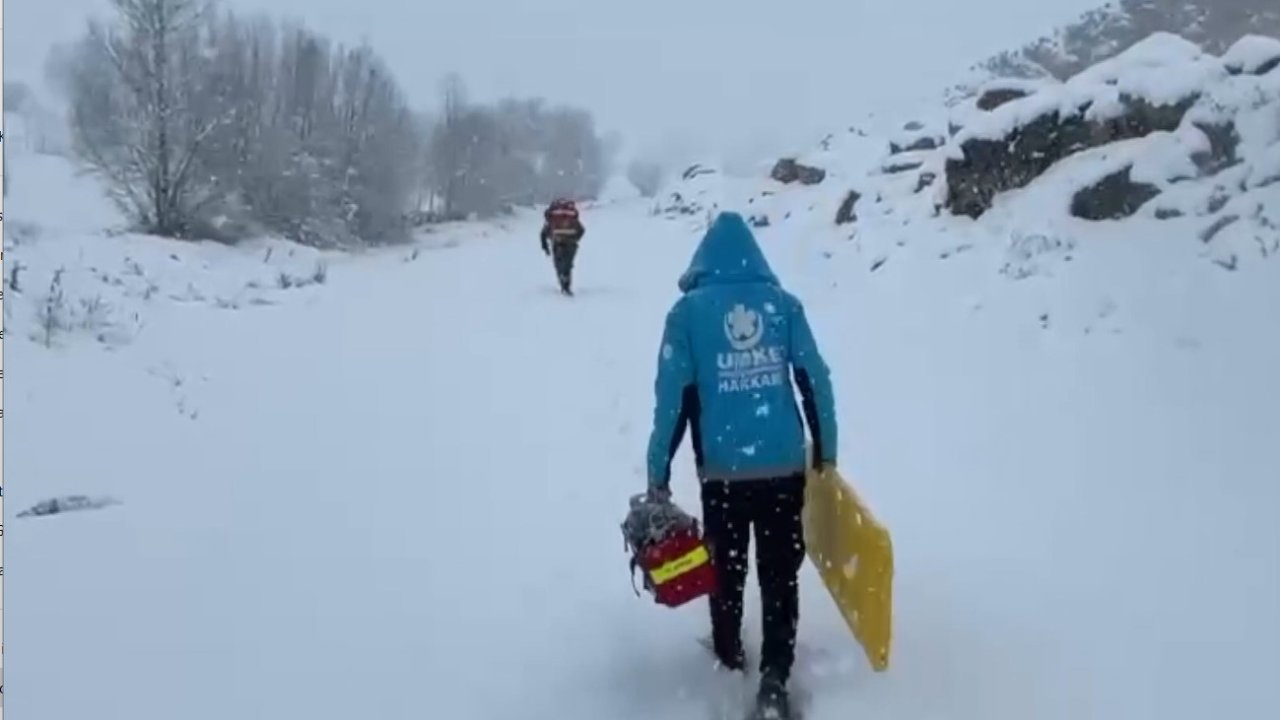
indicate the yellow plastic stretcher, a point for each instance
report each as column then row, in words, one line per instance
column 854, row 556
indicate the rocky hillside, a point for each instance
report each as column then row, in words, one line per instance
column 1164, row 138
column 1214, row 25
column 1164, row 117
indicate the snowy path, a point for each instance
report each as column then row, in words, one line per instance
column 402, row 494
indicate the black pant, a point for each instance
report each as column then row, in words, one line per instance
column 729, row 510
column 562, row 255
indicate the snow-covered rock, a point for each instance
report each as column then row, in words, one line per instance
column 1253, row 54
column 789, row 170
column 1193, row 118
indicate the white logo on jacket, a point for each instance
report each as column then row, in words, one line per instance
column 750, row 366
column 743, row 327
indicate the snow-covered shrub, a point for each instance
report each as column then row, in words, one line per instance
column 52, row 315
column 1033, row 253
column 68, row 503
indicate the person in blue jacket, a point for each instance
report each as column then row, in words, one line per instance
column 731, row 345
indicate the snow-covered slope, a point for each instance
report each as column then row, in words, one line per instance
column 396, row 492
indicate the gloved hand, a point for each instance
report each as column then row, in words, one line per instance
column 658, row 494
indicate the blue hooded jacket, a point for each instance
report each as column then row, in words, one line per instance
column 729, row 348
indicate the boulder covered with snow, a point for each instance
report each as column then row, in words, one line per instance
column 993, row 93
column 790, row 170
column 993, row 97
column 847, row 212
column 1114, row 196
column 1253, row 55
column 915, row 136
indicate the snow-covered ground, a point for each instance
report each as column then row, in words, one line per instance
column 396, row 493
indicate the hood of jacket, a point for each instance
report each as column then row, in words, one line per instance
column 728, row 253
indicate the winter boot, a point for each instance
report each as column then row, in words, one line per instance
column 733, row 659
column 772, row 701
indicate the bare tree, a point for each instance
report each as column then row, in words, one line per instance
column 486, row 158
column 576, row 163
column 448, row 145
column 209, row 125
column 377, row 148
column 136, row 101
column 477, row 184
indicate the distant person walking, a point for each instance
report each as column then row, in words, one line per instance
column 563, row 230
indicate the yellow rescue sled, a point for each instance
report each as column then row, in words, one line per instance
column 854, row 555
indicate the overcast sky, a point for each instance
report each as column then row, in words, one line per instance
column 727, row 76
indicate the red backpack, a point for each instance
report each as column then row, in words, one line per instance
column 562, row 217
